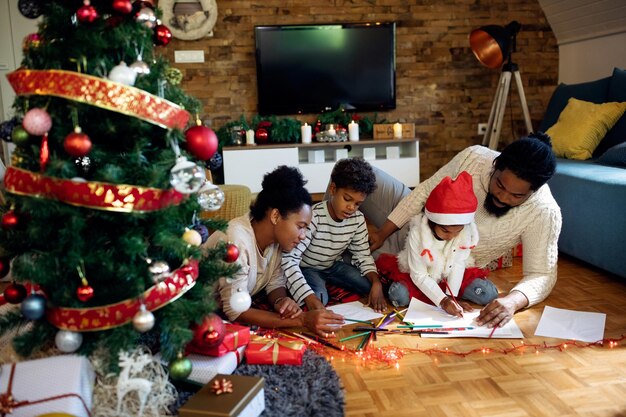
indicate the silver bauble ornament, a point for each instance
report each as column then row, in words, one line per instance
column 210, row 197
column 143, row 320
column 123, row 74
column 146, row 17
column 83, row 163
column 240, row 301
column 67, row 341
column 186, row 177
column 140, row 67
column 160, row 270
column 33, row 307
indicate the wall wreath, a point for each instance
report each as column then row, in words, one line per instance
column 190, row 26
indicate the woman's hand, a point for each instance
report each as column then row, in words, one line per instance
column 376, row 299
column 465, row 305
column 322, row 322
column 451, row 307
column 287, row 308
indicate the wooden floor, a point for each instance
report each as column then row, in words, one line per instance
column 577, row 381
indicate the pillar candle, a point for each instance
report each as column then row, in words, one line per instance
column 331, row 130
column 305, row 131
column 250, row 137
column 353, row 131
column 397, row 131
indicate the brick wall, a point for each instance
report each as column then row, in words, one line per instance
column 441, row 87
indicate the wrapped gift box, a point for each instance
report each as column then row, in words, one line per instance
column 41, row 379
column 235, row 337
column 204, row 368
column 280, row 351
column 246, row 400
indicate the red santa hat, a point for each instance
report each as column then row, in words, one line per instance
column 452, row 202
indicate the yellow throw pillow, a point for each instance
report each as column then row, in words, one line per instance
column 581, row 127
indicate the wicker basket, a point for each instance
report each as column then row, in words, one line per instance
column 236, row 203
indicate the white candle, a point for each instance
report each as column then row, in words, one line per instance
column 305, row 131
column 397, row 131
column 353, row 131
column 250, row 137
column 332, row 131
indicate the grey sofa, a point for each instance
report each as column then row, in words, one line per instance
column 592, row 193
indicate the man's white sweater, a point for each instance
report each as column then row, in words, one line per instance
column 536, row 223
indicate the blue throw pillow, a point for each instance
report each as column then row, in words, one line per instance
column 614, row 156
column 617, row 134
column 592, row 91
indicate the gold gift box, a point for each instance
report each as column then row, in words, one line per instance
column 247, row 399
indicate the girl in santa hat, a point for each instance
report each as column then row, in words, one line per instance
column 435, row 265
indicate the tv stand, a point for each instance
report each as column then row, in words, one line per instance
column 247, row 164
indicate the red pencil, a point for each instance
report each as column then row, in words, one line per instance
column 452, row 295
column 493, row 331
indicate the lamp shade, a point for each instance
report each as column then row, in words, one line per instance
column 493, row 44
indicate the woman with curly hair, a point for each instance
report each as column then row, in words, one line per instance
column 277, row 222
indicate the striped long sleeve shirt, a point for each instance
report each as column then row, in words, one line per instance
column 326, row 241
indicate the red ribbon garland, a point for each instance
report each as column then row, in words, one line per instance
column 8, row 404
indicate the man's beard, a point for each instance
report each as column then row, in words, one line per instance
column 491, row 207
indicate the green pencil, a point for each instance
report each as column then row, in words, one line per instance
column 358, row 321
column 361, row 345
column 354, row 336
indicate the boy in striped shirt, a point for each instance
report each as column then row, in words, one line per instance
column 336, row 226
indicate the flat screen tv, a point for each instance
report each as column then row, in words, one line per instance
column 318, row 68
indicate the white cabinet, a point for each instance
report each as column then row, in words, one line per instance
column 247, row 164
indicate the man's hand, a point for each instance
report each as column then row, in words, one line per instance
column 322, row 322
column 287, row 308
column 376, row 240
column 376, row 299
column 501, row 310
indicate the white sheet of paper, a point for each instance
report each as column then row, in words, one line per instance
column 420, row 313
column 355, row 310
column 569, row 324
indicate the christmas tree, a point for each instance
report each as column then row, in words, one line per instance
column 101, row 227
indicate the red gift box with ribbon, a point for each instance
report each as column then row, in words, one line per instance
column 278, row 351
column 236, row 336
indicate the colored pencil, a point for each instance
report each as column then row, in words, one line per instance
column 492, row 331
column 382, row 319
column 415, row 326
column 388, row 320
column 453, row 297
column 354, row 336
column 420, row 332
column 361, row 345
column 322, row 341
column 358, row 321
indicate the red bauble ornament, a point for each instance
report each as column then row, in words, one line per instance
column 37, row 122
column 84, row 292
column 261, row 136
column 122, row 6
column 10, row 220
column 162, row 35
column 232, row 253
column 87, row 13
column 5, row 266
column 77, row 143
column 15, row 293
column 44, row 153
column 201, row 142
column 210, row 332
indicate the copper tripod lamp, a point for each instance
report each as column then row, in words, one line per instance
column 493, row 46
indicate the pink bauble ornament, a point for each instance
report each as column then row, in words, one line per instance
column 201, row 142
column 37, row 122
column 210, row 332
